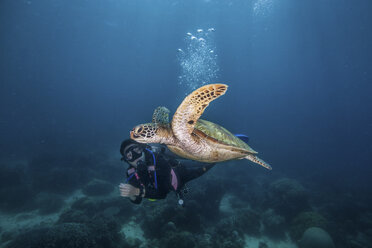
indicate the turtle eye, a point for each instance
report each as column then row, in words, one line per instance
column 139, row 129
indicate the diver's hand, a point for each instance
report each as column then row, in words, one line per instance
column 127, row 190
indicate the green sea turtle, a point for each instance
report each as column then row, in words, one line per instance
column 194, row 138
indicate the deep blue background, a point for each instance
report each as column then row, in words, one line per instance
column 78, row 75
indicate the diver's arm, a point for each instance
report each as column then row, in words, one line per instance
column 189, row 170
column 136, row 199
column 153, row 193
column 146, row 192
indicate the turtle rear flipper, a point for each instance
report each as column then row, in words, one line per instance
column 192, row 108
column 259, row 161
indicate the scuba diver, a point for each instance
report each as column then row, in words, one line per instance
column 152, row 173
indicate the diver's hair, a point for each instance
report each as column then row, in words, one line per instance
column 128, row 142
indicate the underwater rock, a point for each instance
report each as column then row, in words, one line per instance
column 315, row 237
column 98, row 187
column 288, row 197
column 304, row 221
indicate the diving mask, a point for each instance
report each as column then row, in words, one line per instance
column 132, row 153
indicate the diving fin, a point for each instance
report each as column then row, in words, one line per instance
column 243, row 137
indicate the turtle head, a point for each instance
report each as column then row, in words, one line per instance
column 147, row 133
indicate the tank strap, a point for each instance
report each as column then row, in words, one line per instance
column 174, row 180
column 154, row 160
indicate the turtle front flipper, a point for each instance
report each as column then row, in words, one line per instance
column 161, row 115
column 192, row 108
column 259, row 161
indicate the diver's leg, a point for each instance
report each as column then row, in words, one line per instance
column 190, row 172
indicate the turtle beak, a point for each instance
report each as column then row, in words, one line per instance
column 133, row 135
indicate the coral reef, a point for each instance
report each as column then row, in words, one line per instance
column 160, row 216
column 316, row 237
column 64, row 235
column 288, row 197
column 96, row 233
column 182, row 239
column 274, row 224
column 208, row 195
column 361, row 240
column 87, row 207
column 304, row 221
column 245, row 211
column 90, row 222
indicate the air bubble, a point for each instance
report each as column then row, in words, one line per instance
column 198, row 60
column 262, row 7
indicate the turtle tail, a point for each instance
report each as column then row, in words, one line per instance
column 259, row 161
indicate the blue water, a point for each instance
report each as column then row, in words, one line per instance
column 76, row 76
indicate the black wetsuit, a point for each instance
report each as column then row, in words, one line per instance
column 171, row 175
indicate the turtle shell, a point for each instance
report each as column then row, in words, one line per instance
column 215, row 133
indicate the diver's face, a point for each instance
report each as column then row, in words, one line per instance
column 133, row 154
